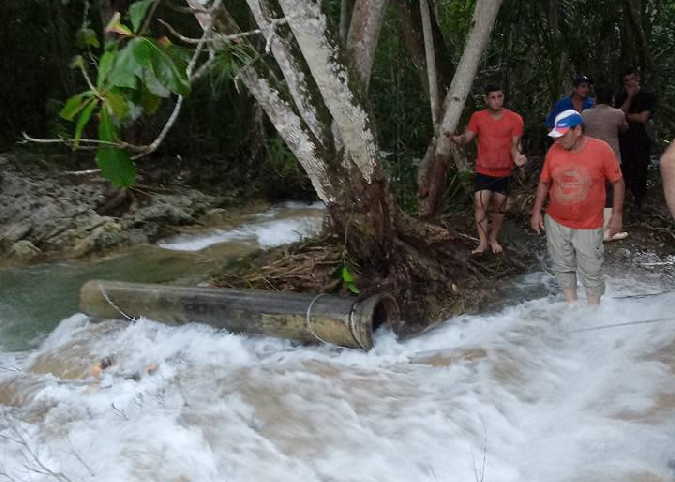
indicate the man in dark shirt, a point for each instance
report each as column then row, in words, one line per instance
column 635, row 143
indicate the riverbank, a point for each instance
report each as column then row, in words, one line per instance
column 51, row 210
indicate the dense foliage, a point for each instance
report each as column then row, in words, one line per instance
column 536, row 49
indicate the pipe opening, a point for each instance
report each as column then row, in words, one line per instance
column 372, row 314
column 382, row 314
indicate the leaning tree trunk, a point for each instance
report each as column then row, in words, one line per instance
column 433, row 172
column 323, row 97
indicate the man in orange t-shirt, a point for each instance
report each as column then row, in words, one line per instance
column 499, row 131
column 574, row 175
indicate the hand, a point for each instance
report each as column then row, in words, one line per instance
column 520, row 160
column 615, row 225
column 537, row 221
column 456, row 139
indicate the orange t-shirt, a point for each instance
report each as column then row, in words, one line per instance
column 577, row 182
column 495, row 140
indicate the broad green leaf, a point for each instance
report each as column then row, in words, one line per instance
column 352, row 287
column 105, row 65
column 126, row 67
column 107, row 131
column 86, row 37
column 164, row 68
column 346, row 275
column 74, row 105
column 154, row 85
column 116, row 26
column 116, row 104
column 169, row 75
column 137, row 12
column 83, row 120
column 116, row 166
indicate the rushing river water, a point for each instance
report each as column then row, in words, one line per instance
column 522, row 394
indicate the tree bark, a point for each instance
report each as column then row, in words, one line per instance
column 346, row 8
column 430, row 54
column 364, row 32
column 432, row 179
column 635, row 42
column 411, row 31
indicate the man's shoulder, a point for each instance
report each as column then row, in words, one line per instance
column 598, row 145
column 479, row 114
column 564, row 102
column 512, row 114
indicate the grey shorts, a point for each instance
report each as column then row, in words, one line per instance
column 573, row 250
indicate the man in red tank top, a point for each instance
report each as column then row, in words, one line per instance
column 499, row 131
column 575, row 171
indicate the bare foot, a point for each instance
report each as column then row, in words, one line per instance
column 496, row 247
column 480, row 249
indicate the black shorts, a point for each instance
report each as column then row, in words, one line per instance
column 489, row 183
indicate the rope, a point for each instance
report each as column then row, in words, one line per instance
column 308, row 320
column 628, row 323
column 110, row 302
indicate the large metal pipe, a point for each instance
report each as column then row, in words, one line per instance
column 347, row 322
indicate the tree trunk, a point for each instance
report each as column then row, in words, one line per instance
column 364, row 32
column 635, row 39
column 432, row 178
column 346, row 8
column 430, row 54
column 392, row 250
column 413, row 38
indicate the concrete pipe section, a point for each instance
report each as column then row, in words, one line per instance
column 347, row 322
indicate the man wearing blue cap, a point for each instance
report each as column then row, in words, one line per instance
column 573, row 177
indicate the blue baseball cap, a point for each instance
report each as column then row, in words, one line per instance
column 564, row 121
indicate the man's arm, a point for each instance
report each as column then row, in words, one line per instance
column 640, row 117
column 616, row 221
column 518, row 157
column 537, row 221
column 623, row 123
column 668, row 176
column 630, row 94
column 461, row 139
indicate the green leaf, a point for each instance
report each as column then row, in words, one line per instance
column 116, row 166
column 105, row 65
column 86, row 37
column 115, row 26
column 116, row 105
column 126, row 67
column 137, row 12
column 83, row 120
column 346, row 275
column 74, row 105
column 154, row 85
column 352, row 287
column 164, row 68
column 107, row 131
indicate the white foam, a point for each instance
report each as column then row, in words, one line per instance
column 545, row 403
column 283, row 224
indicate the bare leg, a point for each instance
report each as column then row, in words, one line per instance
column 497, row 219
column 593, row 299
column 481, row 202
column 570, row 295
